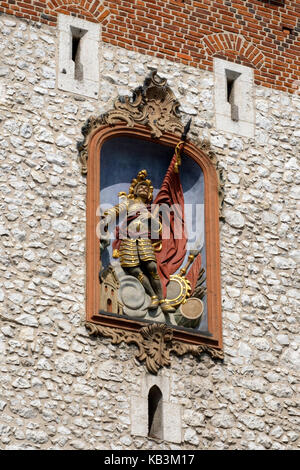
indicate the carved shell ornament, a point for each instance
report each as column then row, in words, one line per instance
column 153, row 104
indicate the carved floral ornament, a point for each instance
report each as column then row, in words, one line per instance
column 154, row 105
column 155, row 344
column 155, row 108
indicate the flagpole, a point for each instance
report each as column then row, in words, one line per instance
column 180, row 145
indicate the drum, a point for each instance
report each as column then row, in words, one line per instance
column 191, row 313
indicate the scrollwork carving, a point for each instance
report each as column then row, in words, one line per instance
column 154, row 105
column 180, row 349
column 154, row 342
column 206, row 146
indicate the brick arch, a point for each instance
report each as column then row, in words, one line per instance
column 89, row 9
column 233, row 45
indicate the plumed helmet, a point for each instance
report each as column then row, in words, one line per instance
column 141, row 179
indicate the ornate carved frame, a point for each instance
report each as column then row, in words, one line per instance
column 144, row 117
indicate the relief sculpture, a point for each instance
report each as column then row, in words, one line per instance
column 153, row 202
column 156, row 277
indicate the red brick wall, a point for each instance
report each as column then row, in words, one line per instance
column 260, row 33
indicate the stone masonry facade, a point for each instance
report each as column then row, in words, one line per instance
column 264, row 33
column 60, row 388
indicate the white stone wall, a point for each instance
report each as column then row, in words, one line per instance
column 58, row 387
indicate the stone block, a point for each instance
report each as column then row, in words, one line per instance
column 236, row 117
column 87, row 82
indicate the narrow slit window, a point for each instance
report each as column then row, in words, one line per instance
column 155, row 413
column 78, row 56
column 76, row 53
column 231, row 78
column 229, row 90
column 75, row 47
